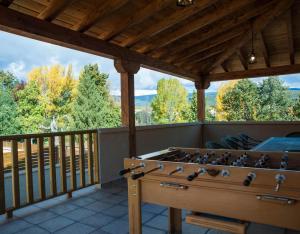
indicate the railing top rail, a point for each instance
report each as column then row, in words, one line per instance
column 49, row 134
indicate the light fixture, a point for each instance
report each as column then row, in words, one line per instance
column 184, row 3
column 252, row 56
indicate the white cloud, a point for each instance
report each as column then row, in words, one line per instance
column 17, row 68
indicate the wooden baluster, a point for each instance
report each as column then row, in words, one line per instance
column 90, row 158
column 28, row 168
column 72, row 163
column 15, row 174
column 62, row 162
column 81, row 160
column 96, row 158
column 41, row 170
column 2, row 190
column 53, row 187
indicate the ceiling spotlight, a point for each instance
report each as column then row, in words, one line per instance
column 252, row 57
column 184, row 3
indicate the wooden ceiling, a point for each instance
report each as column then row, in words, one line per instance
column 211, row 38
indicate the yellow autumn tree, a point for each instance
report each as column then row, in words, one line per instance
column 57, row 90
column 222, row 90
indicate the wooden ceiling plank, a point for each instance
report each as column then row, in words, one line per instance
column 242, row 59
column 209, row 18
column 201, row 56
column 6, row 3
column 219, row 39
column 224, row 66
column 263, row 48
column 289, row 24
column 252, row 73
column 213, row 30
column 99, row 10
column 258, row 25
column 54, row 9
column 177, row 16
column 138, row 16
column 28, row 26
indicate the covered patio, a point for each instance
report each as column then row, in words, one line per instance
column 205, row 42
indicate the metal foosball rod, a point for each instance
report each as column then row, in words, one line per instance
column 142, row 174
column 222, row 160
column 284, row 161
column 127, row 170
column 263, row 162
column 200, row 171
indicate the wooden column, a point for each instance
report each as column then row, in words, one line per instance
column 134, row 206
column 175, row 221
column 202, row 84
column 127, row 70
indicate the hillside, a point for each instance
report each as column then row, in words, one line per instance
column 143, row 101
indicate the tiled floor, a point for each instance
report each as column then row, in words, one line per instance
column 100, row 211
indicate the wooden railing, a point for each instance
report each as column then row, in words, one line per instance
column 72, row 155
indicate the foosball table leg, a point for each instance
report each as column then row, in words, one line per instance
column 134, row 207
column 175, row 221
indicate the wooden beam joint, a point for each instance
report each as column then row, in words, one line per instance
column 203, row 83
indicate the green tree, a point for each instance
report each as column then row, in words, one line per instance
column 296, row 108
column 170, row 104
column 30, row 110
column 93, row 106
column 7, row 80
column 8, row 113
column 192, row 115
column 275, row 100
column 241, row 101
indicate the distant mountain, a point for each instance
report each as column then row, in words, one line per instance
column 145, row 100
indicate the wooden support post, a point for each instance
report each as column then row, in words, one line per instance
column 52, row 165
column 72, row 163
column 127, row 70
column 96, row 158
column 134, row 206
column 81, row 161
column 28, row 166
column 90, row 159
column 15, row 174
column 62, row 162
column 2, row 182
column 201, row 85
column 175, row 221
column 41, row 170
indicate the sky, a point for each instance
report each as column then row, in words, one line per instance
column 20, row 54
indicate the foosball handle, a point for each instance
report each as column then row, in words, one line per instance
column 247, row 181
column 192, row 176
column 124, row 171
column 137, row 176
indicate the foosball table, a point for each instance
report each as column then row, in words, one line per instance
column 243, row 186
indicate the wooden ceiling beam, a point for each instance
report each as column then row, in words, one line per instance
column 177, row 16
column 242, row 59
column 264, row 48
column 54, row 9
column 213, row 42
column 211, row 31
column 136, row 17
column 289, row 24
column 207, row 19
column 201, row 56
column 28, row 26
column 252, row 73
column 99, row 10
column 258, row 25
column 6, row 3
